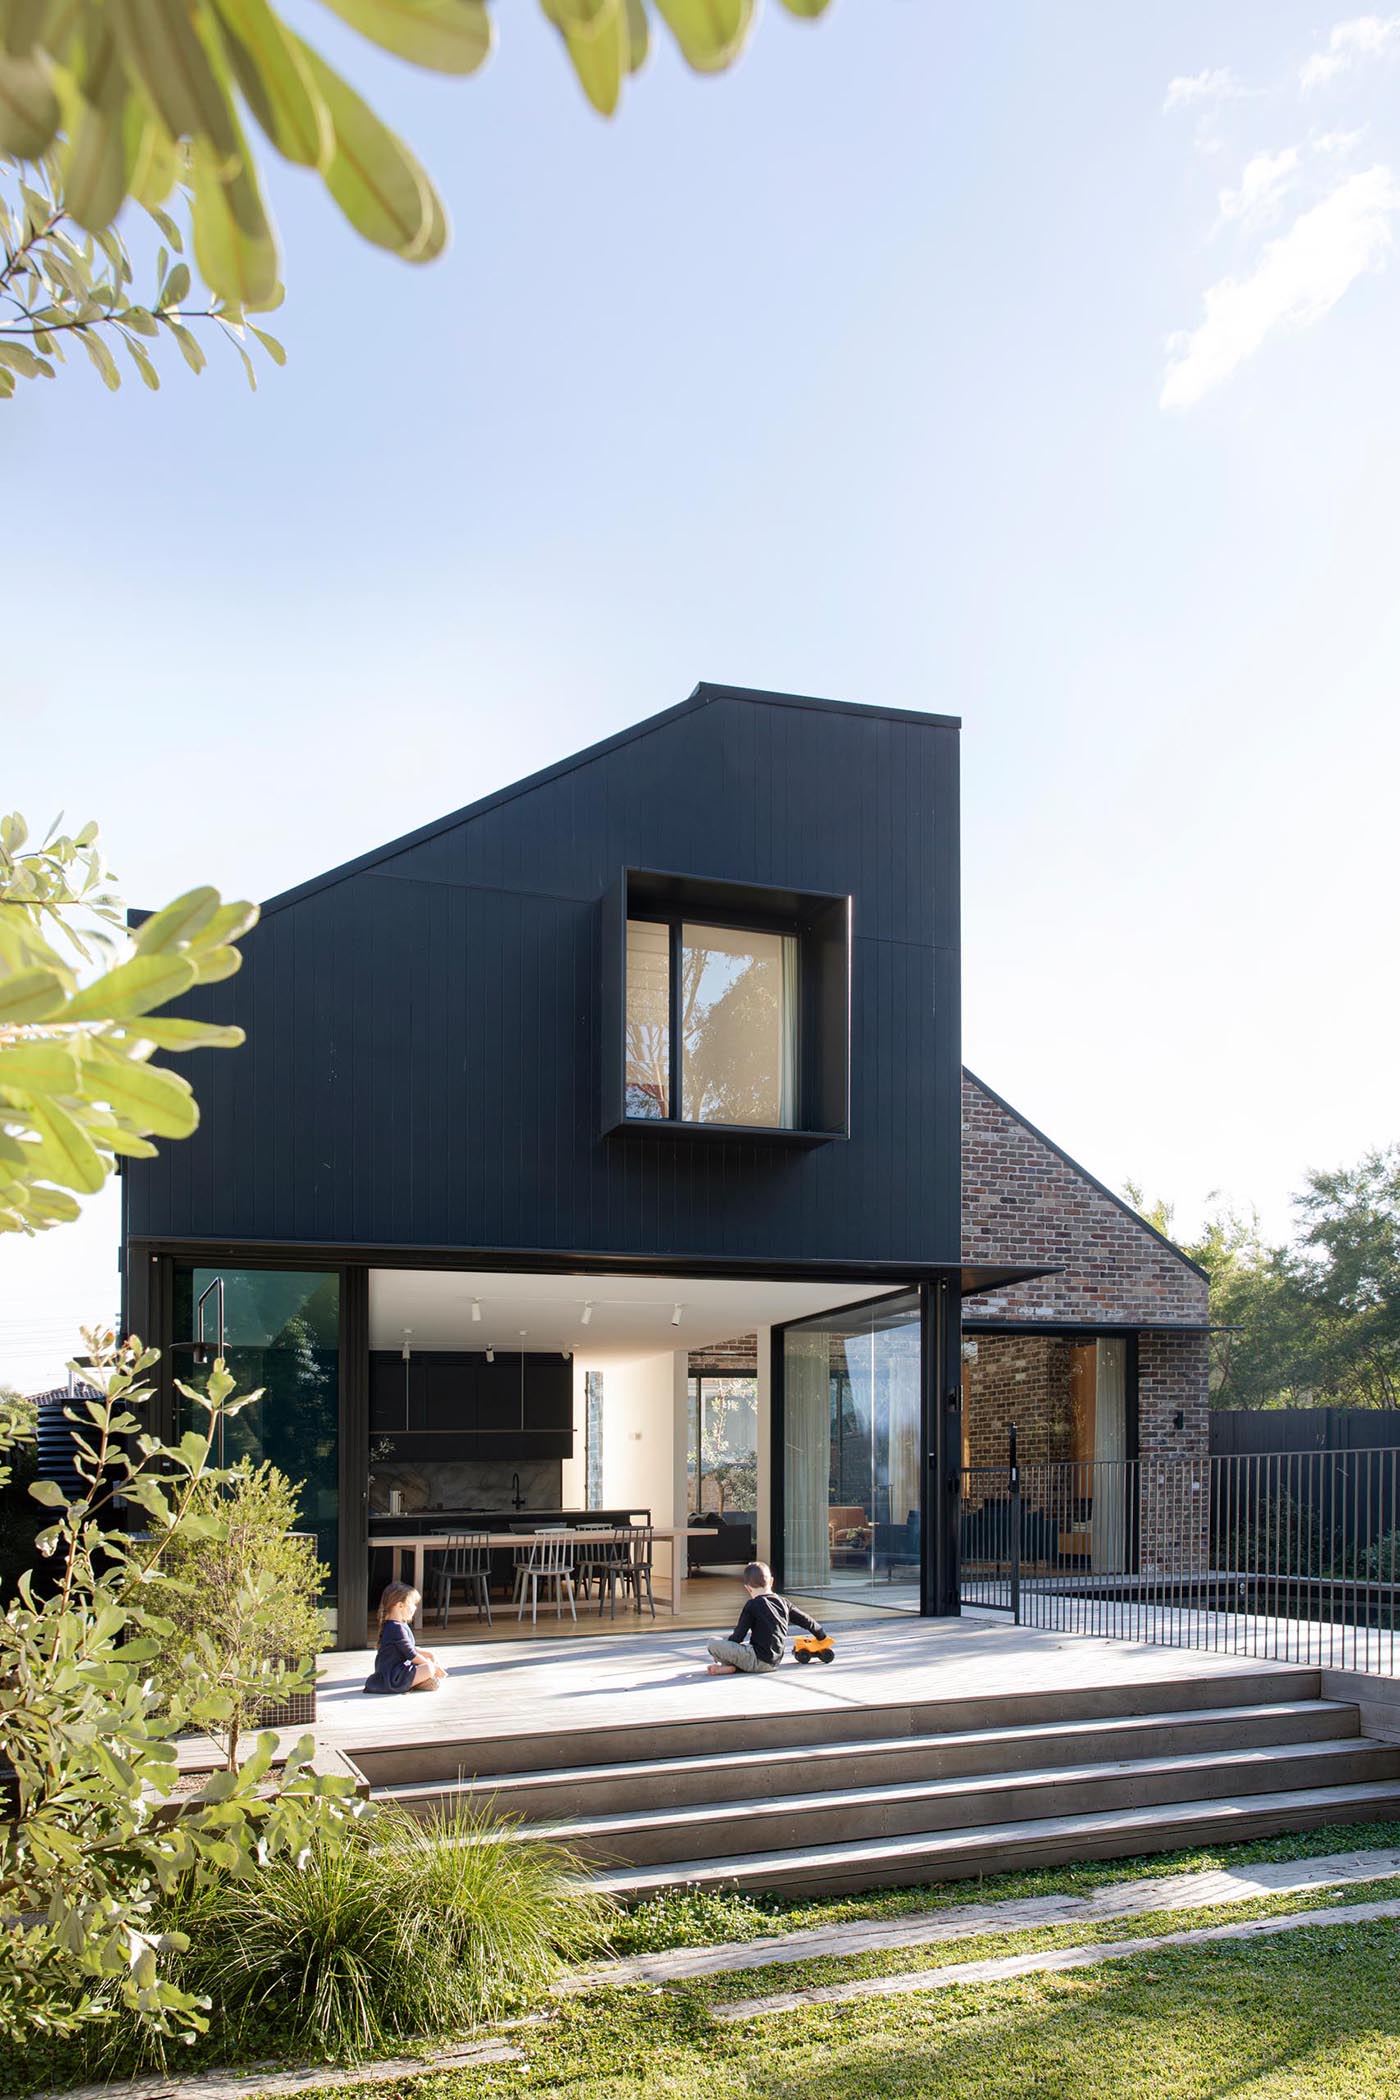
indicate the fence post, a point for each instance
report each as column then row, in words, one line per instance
column 1015, row 1473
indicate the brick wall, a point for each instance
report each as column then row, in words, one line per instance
column 1173, row 1500
column 1024, row 1202
column 1022, row 1379
column 734, row 1359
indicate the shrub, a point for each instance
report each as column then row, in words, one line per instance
column 409, row 1928
column 242, row 1601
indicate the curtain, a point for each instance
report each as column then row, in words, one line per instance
column 806, row 1458
column 787, row 1074
column 1108, row 1524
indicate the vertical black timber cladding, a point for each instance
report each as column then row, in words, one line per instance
column 431, row 1029
column 612, row 992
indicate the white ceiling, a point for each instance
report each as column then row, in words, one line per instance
column 631, row 1319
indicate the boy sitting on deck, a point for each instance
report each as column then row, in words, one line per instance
column 763, row 1623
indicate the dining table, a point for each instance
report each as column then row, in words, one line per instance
column 422, row 1543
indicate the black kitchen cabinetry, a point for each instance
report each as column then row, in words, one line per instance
column 454, row 1404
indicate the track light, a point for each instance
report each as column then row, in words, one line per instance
column 476, row 1308
column 587, row 1314
column 407, row 1350
column 566, row 1354
column 676, row 1316
column 490, row 1354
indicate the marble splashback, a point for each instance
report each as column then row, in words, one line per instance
column 464, row 1484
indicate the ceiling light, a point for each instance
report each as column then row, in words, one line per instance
column 587, row 1314
column 676, row 1316
column 490, row 1354
column 476, row 1308
column 407, row 1349
column 566, row 1354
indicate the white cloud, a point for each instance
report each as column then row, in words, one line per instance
column 1338, row 141
column 1299, row 277
column 1364, row 36
column 1214, row 85
column 1262, row 185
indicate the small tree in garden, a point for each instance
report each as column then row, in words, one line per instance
column 85, row 1735
column 241, row 1602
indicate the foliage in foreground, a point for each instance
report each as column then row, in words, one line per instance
column 406, row 1930
column 139, row 95
column 86, row 1854
column 241, row 1601
column 77, row 1088
column 60, row 286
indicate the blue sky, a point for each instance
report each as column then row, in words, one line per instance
column 1030, row 364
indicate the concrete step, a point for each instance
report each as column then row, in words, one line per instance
column 994, row 1848
column 767, row 1775
column 711, row 1830
column 823, row 1711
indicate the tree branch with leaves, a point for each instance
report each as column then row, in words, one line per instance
column 78, row 1025
column 137, row 98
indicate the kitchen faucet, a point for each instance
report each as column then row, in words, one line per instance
column 517, row 1500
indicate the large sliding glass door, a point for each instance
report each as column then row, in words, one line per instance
column 852, row 1465
column 279, row 1329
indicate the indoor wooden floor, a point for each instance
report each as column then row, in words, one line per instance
column 709, row 1604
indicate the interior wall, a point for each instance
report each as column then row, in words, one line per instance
column 639, row 1434
column 573, row 1471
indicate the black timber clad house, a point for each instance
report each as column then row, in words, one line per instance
column 439, row 1074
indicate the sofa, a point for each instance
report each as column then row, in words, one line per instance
column 731, row 1546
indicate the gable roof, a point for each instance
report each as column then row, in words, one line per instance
column 1084, row 1174
column 704, row 695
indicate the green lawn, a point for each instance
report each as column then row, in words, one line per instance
column 1313, row 2016
column 1315, row 2012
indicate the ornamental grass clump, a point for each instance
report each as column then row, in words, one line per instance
column 413, row 1928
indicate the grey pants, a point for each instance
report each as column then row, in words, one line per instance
column 739, row 1656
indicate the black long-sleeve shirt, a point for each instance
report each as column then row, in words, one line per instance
column 765, row 1619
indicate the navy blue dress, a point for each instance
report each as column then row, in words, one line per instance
column 393, row 1665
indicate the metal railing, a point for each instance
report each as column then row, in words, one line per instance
column 1290, row 1556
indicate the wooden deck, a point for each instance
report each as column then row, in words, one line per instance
column 509, row 1686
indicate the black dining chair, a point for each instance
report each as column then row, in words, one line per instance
column 466, row 1559
column 634, row 1571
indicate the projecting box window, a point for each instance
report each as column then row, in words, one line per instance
column 727, row 1008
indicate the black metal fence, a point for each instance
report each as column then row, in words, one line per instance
column 1293, row 1556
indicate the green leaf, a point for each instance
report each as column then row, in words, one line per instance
column 29, row 112
column 155, row 1102
column 178, row 922
column 448, row 36
column 374, row 178
column 597, row 38
column 185, row 1035
column 49, row 1493
column 163, row 48
column 233, row 241
column 101, row 357
column 190, row 348
column 24, row 361
column 270, row 343
column 711, row 33
column 66, row 1154
column 95, row 165
column 143, row 364
column 807, row 10
column 276, row 82
column 638, row 35
column 53, row 1067
column 133, row 988
column 176, row 286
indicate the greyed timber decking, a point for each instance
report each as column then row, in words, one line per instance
column 528, row 1687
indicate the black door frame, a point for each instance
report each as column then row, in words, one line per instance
column 940, row 1395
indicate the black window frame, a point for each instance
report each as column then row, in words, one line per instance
column 821, row 924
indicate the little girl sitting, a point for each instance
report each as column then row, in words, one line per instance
column 400, row 1664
